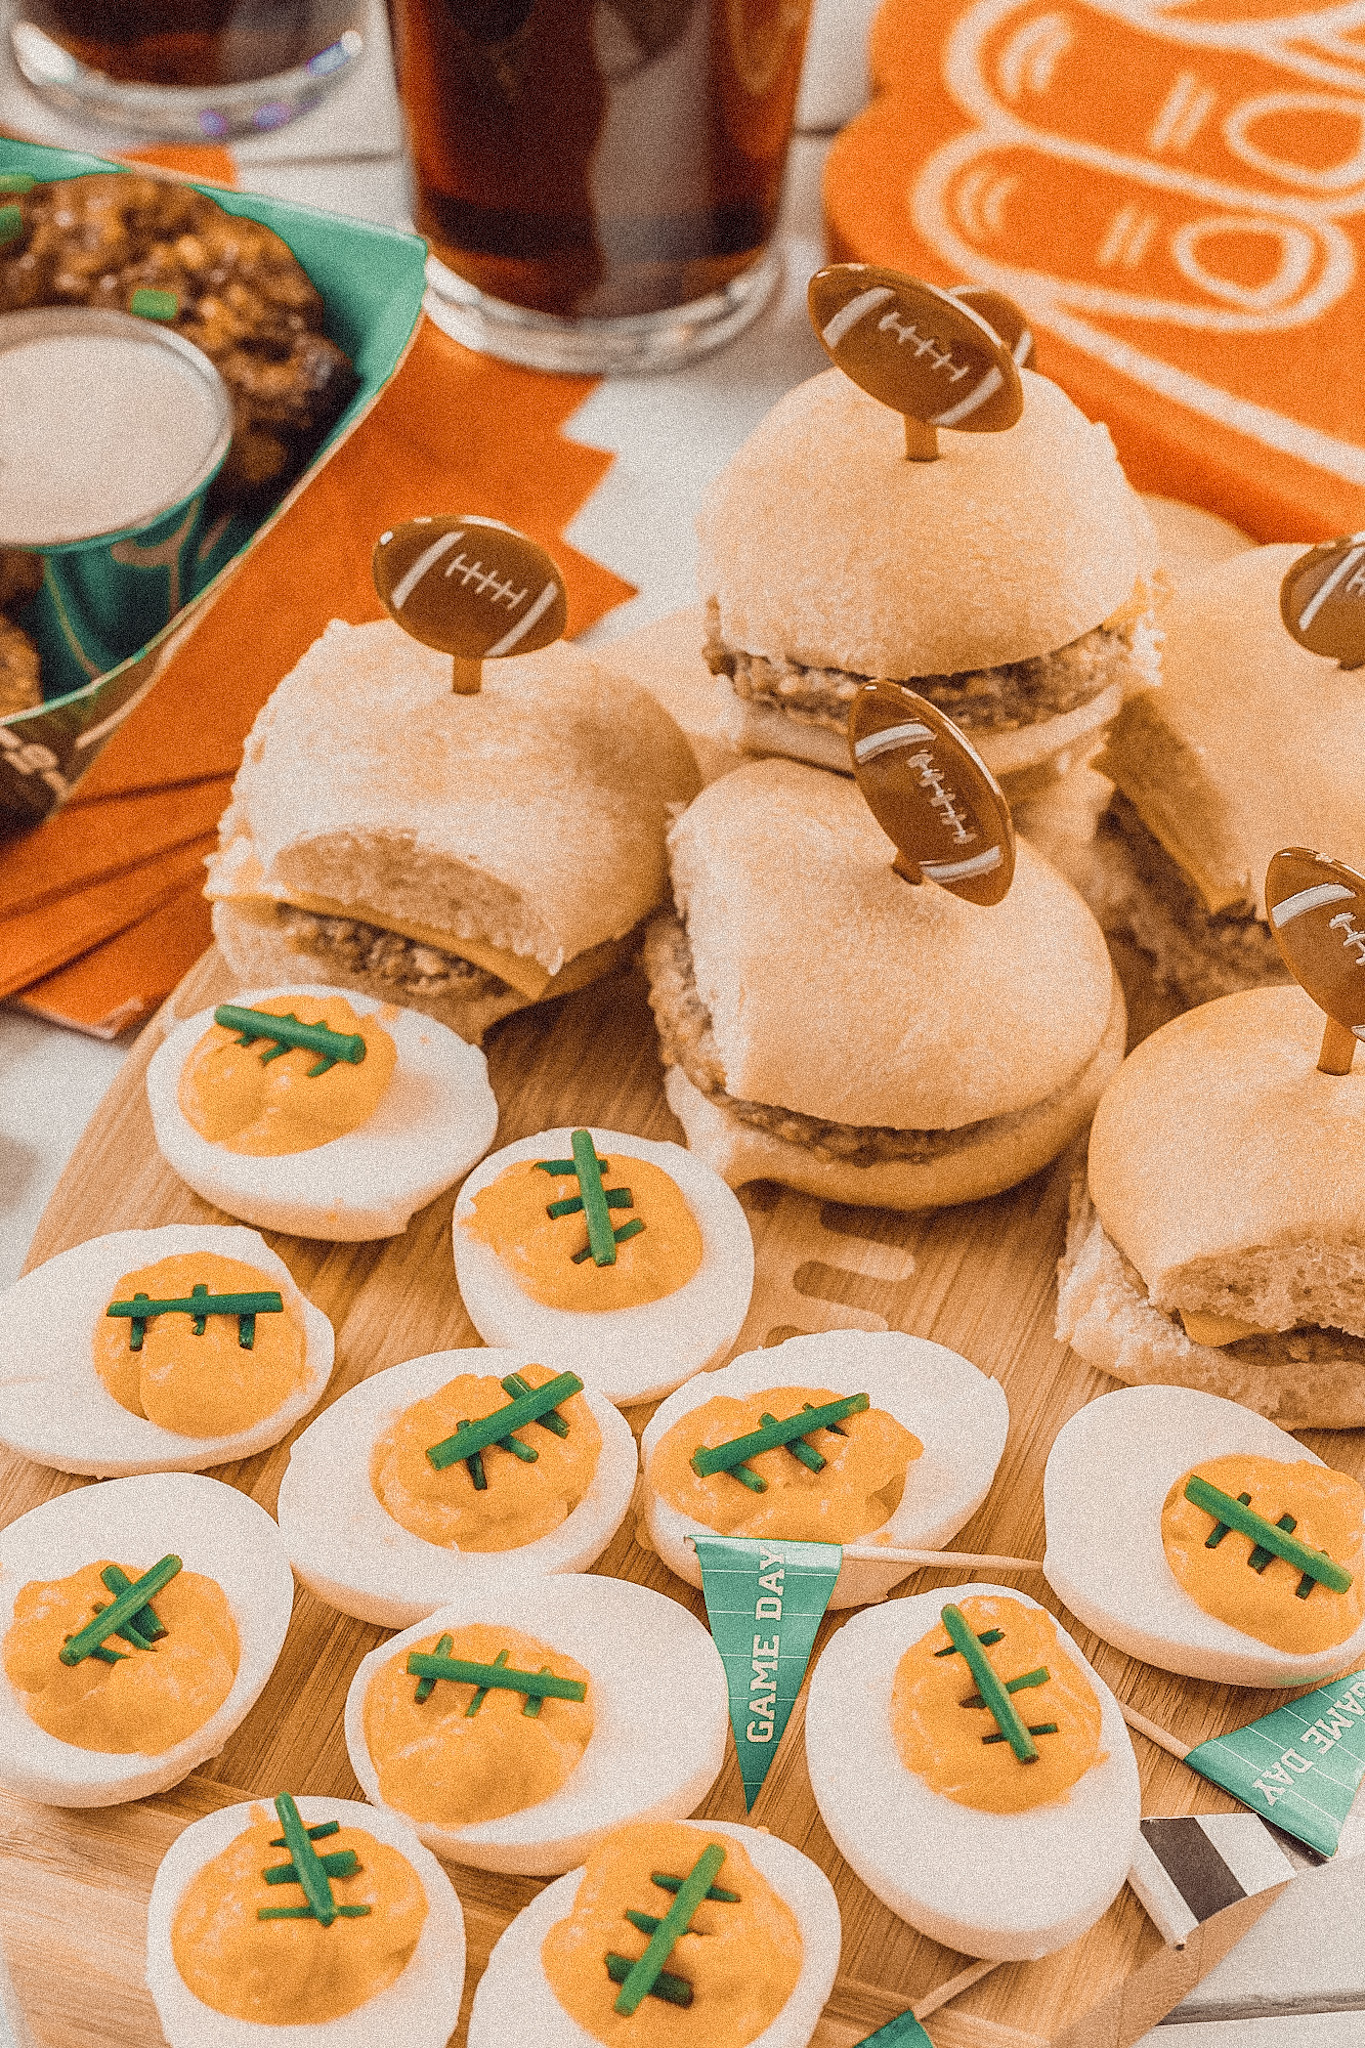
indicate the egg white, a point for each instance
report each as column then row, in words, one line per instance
column 513, row 2001
column 629, row 1354
column 1107, row 1478
column 55, row 1408
column 211, row 1528
column 349, row 1550
column 1008, row 1887
column 660, row 1711
column 435, row 1118
column 419, row 2008
column 959, row 1415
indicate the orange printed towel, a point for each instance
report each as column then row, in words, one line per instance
column 1174, row 193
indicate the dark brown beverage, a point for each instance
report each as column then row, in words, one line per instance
column 595, row 158
column 192, row 42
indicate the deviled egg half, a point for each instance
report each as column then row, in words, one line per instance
column 492, row 1774
column 158, row 1351
column 106, row 1696
column 327, row 1114
column 945, row 1816
column 753, row 1962
column 908, row 1453
column 388, row 1512
column 318, row 1922
column 1139, row 1549
column 626, row 1260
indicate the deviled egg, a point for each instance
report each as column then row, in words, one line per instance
column 1131, row 1553
column 91, row 1716
column 224, row 1357
column 510, row 1780
column 755, row 1965
column 906, row 1467
column 386, row 1518
column 987, row 1850
column 324, row 1113
column 239, row 1956
column 636, row 1277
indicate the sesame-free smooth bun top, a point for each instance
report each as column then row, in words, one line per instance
column 1219, row 1135
column 1253, row 742
column 825, row 546
column 839, row 990
column 530, row 816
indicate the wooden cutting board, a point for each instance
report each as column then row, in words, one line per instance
column 74, row 1885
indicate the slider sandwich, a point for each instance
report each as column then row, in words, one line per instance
column 465, row 855
column 1254, row 742
column 828, row 1025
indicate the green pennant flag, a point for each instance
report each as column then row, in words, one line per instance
column 764, row 1600
column 1299, row 1766
column 904, row 2031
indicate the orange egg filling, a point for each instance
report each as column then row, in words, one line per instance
column 150, row 1699
column 866, row 1460
column 511, row 1215
column 944, row 1740
column 295, row 1972
column 742, row 1958
column 207, row 1385
column 1328, row 1509
column 455, row 1757
column 521, row 1501
column 238, row 1097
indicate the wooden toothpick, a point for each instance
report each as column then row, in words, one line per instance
column 873, row 1553
column 921, row 441
column 963, row 1981
column 466, row 676
column 1158, row 1735
column 1338, row 1048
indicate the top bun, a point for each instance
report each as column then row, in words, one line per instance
column 1252, row 744
column 530, row 816
column 838, row 990
column 1231, row 1172
column 825, row 546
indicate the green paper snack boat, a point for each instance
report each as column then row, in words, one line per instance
column 371, row 280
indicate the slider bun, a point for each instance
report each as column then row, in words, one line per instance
column 1252, row 744
column 840, row 991
column 826, row 547
column 530, row 816
column 1227, row 1175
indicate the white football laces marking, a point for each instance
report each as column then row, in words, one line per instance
column 852, row 313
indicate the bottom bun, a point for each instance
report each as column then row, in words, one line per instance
column 992, row 1156
column 1105, row 1314
column 259, row 953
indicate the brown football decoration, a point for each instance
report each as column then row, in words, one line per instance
column 1322, row 600
column 931, row 793
column 1316, row 909
column 1009, row 320
column 915, row 348
column 472, row 587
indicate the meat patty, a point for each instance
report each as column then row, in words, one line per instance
column 1020, row 693
column 408, row 965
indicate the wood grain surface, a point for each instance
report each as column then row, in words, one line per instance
column 74, row 1885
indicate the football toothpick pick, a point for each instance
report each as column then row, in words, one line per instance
column 472, row 587
column 931, row 793
column 1316, row 909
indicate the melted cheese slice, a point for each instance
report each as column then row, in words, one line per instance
column 1215, row 1330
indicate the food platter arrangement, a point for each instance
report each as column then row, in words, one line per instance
column 546, row 1581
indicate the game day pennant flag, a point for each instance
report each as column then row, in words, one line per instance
column 904, row 2031
column 1301, row 1764
column 764, row 1601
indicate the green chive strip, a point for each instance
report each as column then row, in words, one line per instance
column 1012, row 1685
column 1260, row 1556
column 552, row 1420
column 1222, row 1529
column 289, row 1035
column 17, row 181
column 307, row 1913
column 200, row 1304
column 544, row 1684
column 149, row 303
column 755, row 1481
column 675, row 1923
column 341, row 1863
column 601, row 1237
column 673, row 1884
column 490, row 1429
column 121, row 1609
column 482, row 1694
column 1035, row 1728
column 309, row 1867
column 674, row 1990
column 1314, row 1564
column 615, row 1198
column 318, row 1833
column 803, row 1452
column 998, row 1701
column 992, row 1635
column 631, row 1229
column 722, row 1457
column 142, row 1629
column 11, row 223
column 832, row 1427
column 425, row 1687
column 558, row 1169
column 474, row 1463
